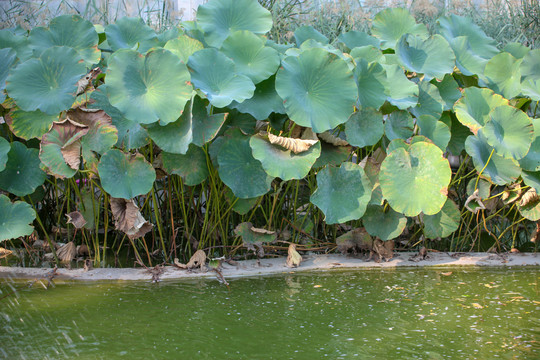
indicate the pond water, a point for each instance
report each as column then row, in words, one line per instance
column 388, row 314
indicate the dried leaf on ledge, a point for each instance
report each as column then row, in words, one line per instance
column 293, row 258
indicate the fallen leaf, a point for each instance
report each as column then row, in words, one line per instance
column 477, row 306
column 76, row 218
column 128, row 218
column 294, row 258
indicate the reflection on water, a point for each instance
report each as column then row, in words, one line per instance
column 388, row 314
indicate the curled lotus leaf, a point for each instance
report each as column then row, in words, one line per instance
column 252, row 236
column 265, row 100
column 531, row 161
column 308, row 32
column 215, row 75
column 128, row 218
column 148, row 88
column 399, row 125
column 191, row 167
column 391, row 24
column 385, row 224
column 293, row 257
column 430, row 101
column 504, row 75
column 416, row 179
column 343, row 193
column 294, row 145
column 61, row 148
column 4, row 150
column 130, row 33
column 125, row 175
column 402, row 93
column 76, row 218
column 449, row 91
column 458, row 133
column 7, row 58
column 17, row 42
column 68, row 30
column 15, row 219
column 219, row 18
column 22, row 174
column 101, row 135
column 333, row 139
column 205, row 127
column 318, row 89
column 48, row 83
column 176, row 136
column 474, row 107
column 444, row 223
column 529, row 205
column 183, row 47
column 372, row 82
column 364, row 127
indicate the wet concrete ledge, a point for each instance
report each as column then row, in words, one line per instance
column 277, row 265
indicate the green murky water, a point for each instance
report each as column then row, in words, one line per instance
column 398, row 314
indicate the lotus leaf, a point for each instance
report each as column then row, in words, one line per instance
column 174, row 137
column 449, row 91
column 530, row 209
column 397, row 144
column 240, row 206
column 416, row 180
column 386, row 225
column 516, row 49
column 498, row 169
column 4, row 150
column 236, row 163
column 530, row 67
column 444, row 223
column 280, row 162
column 17, row 42
column 131, row 33
column 128, row 218
column 215, row 74
column 183, row 47
column 318, row 89
column 307, row 32
column 204, row 127
column 391, row 24
column 191, row 167
column 219, row 18
column 432, row 57
column 342, row 192
column 22, row 174
column 86, row 207
column 265, row 101
column 473, row 109
column 483, row 187
column 332, row 155
column 531, row 88
column 504, row 75
column 102, row 134
column 68, row 30
column 148, row 88
column 399, row 125
column 251, row 57
column 458, row 133
column 125, row 175
column 531, row 161
column 169, row 34
column 402, row 92
column 368, row 53
column 254, row 236
column 353, row 39
column 435, row 130
column 509, row 131
column 7, row 58
column 29, row 124
column 364, row 127
column 47, row 83
column 372, row 83
column 14, row 219
column 429, row 101
column 532, row 179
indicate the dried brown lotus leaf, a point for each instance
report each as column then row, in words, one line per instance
column 72, row 154
column 308, row 134
column 4, row 253
column 512, row 194
column 68, row 133
column 128, row 218
column 85, row 83
column 295, row 145
column 529, row 197
column 262, row 231
column 332, row 139
column 76, row 218
column 89, row 117
column 67, row 252
column 178, row 264
column 475, row 197
column 197, row 260
column 293, row 258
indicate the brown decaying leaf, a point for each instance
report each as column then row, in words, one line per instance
column 536, row 233
column 69, row 132
column 478, row 200
column 82, row 250
column 92, row 118
column 332, row 139
column 76, row 218
column 128, row 218
column 67, row 252
column 85, row 83
column 261, row 231
column 197, row 260
column 4, row 253
column 293, row 258
column 529, row 197
column 295, row 145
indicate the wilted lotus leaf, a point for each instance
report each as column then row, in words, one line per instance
column 61, row 149
column 529, row 205
column 416, row 180
column 385, row 225
column 295, row 145
column 512, row 193
column 129, row 33
column 318, row 89
column 264, row 101
column 4, row 150
column 125, row 175
column 7, row 58
column 293, row 257
column 128, row 218
column 444, row 223
column 430, row 101
column 183, row 47
column 474, row 202
column 401, row 92
column 504, row 75
column 399, row 125
column 191, row 167
column 330, row 138
column 204, row 126
column 254, row 237
column 67, row 253
column 102, row 134
column 5, row 252
column 215, row 74
column 68, row 30
column 175, row 136
column 76, row 218
column 219, row 18
column 22, row 174
column 14, row 218
column 473, row 109
column 85, row 83
column 29, row 124
column 48, row 83
column 342, row 193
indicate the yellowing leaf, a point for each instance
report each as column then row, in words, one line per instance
column 295, row 145
column 477, row 306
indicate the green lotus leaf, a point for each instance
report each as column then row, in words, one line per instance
column 312, row 44
column 22, row 174
column 318, row 89
column 7, row 58
column 435, row 130
column 125, row 175
column 215, row 74
column 531, row 210
column 386, row 225
column 531, row 161
column 68, row 30
column 251, row 57
column 191, row 167
column 372, row 169
column 240, row 206
column 399, row 125
column 499, row 170
column 416, row 180
column 14, row 219
column 219, row 18
column 47, row 83
column 204, row 127
column 401, row 92
column 243, row 121
column 332, row 155
column 509, row 131
column 391, row 24
column 503, row 75
column 531, row 88
column 131, row 33
column 148, row 88
column 61, row 149
column 254, row 237
column 265, row 101
column 342, row 192
column 372, row 83
column 444, row 223
column 364, row 127
column 368, row 53
column 397, row 144
column 430, row 101
column 280, row 162
column 516, row 49
column 183, row 47
column 308, row 32
column 432, row 57
column 449, row 91
column 17, row 42
column 174, row 137
column 236, row 163
column 473, row 109
column 29, row 124
column 353, row 39
column 169, row 34
column 530, row 66
column 532, row 179
column 458, row 133
column 102, row 134
column 4, row 150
